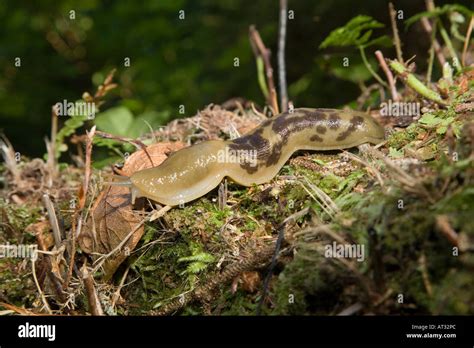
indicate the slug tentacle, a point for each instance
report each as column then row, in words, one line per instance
column 122, row 180
column 254, row 158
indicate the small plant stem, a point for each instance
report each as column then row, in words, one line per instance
column 466, row 42
column 396, row 38
column 450, row 47
column 388, row 73
column 414, row 83
column 429, row 71
column 261, row 77
column 369, row 67
column 281, row 55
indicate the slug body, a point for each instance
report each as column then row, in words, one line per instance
column 254, row 158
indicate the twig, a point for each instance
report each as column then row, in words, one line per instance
column 57, row 286
column 466, row 42
column 87, row 174
column 222, row 194
column 73, row 254
column 436, row 46
column 116, row 295
column 396, row 38
column 51, row 144
column 281, row 55
column 53, row 220
column 159, row 213
column 8, row 154
column 388, row 73
column 449, row 46
column 369, row 67
column 92, row 297
column 443, row 226
column 260, row 50
column 425, row 276
column 429, row 70
column 43, row 298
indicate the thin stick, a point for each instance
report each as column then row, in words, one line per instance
column 259, row 49
column 87, row 174
column 53, row 220
column 43, row 298
column 73, row 254
column 431, row 57
column 116, row 295
column 466, row 42
column 388, row 73
column 444, row 227
column 94, row 303
column 424, row 275
column 396, row 38
column 369, row 67
column 281, row 56
column 436, row 46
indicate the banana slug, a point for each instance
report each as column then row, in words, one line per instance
column 254, row 158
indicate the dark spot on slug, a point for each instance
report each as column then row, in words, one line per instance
column 334, row 121
column 274, row 155
column 290, row 123
column 321, row 129
column 355, row 122
column 253, row 141
column 284, row 125
column 316, row 138
column 248, row 167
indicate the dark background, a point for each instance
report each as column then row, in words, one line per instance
column 173, row 61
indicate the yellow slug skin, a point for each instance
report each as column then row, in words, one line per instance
column 256, row 157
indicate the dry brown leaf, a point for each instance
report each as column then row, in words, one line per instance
column 42, row 228
column 250, row 281
column 112, row 216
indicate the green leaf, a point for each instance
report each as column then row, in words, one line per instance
column 353, row 33
column 383, row 41
column 430, row 120
column 439, row 11
column 394, row 153
column 201, row 257
column 115, row 121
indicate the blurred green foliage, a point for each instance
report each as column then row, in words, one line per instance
column 173, row 61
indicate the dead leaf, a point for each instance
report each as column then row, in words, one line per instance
column 43, row 229
column 250, row 281
column 112, row 216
